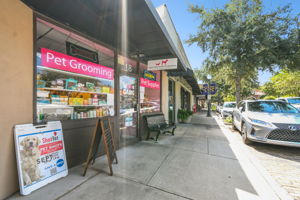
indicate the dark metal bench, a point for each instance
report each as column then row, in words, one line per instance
column 157, row 123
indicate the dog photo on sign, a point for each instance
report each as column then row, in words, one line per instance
column 30, row 153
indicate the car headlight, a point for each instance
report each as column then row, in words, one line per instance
column 260, row 122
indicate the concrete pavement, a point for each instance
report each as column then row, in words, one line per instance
column 199, row 162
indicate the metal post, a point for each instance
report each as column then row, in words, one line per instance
column 208, row 102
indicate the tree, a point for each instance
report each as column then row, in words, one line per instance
column 284, row 83
column 241, row 39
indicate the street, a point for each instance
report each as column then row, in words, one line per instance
column 282, row 163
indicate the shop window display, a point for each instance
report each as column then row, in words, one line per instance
column 149, row 90
column 75, row 76
column 185, row 99
column 128, row 97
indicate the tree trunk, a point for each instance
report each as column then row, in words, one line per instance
column 238, row 89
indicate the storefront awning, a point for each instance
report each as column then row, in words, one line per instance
column 101, row 20
column 190, row 78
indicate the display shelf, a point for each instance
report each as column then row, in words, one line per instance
column 66, row 90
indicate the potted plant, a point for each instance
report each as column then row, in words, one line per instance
column 189, row 118
column 184, row 116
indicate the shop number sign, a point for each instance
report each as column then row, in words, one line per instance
column 40, row 155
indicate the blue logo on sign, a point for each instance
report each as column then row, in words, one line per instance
column 60, row 163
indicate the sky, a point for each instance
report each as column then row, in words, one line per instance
column 186, row 24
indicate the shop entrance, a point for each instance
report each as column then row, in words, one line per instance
column 128, row 108
column 171, row 102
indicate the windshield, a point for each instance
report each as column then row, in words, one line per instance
column 271, row 107
column 229, row 105
column 294, row 100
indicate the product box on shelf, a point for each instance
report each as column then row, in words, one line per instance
column 43, row 100
column 59, row 84
column 77, row 101
column 41, row 83
column 105, row 89
column 90, row 86
column 50, row 112
column 71, row 84
column 41, row 93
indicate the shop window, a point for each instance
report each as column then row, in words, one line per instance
column 75, row 76
column 149, row 90
column 185, row 99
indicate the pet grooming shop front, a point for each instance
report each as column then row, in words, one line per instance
column 78, row 61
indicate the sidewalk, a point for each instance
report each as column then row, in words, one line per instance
column 199, row 162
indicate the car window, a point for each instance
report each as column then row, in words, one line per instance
column 294, row 100
column 229, row 105
column 271, row 107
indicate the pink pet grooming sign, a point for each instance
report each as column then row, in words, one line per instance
column 41, row 157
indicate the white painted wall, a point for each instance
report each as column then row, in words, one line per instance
column 177, row 99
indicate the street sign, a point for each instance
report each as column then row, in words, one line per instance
column 204, row 89
column 163, row 64
column 213, row 88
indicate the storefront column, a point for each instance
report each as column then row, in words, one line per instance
column 191, row 100
column 177, row 99
column 165, row 96
column 16, row 84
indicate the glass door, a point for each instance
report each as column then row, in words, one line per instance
column 128, row 107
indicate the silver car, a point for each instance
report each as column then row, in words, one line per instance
column 267, row 121
column 227, row 109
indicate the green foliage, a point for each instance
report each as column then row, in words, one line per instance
column 183, row 114
column 228, row 120
column 269, row 98
column 241, row 40
column 229, row 98
column 213, row 107
column 284, row 83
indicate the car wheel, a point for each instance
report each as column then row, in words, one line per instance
column 244, row 135
column 233, row 126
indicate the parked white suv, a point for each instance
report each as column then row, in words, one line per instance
column 295, row 101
